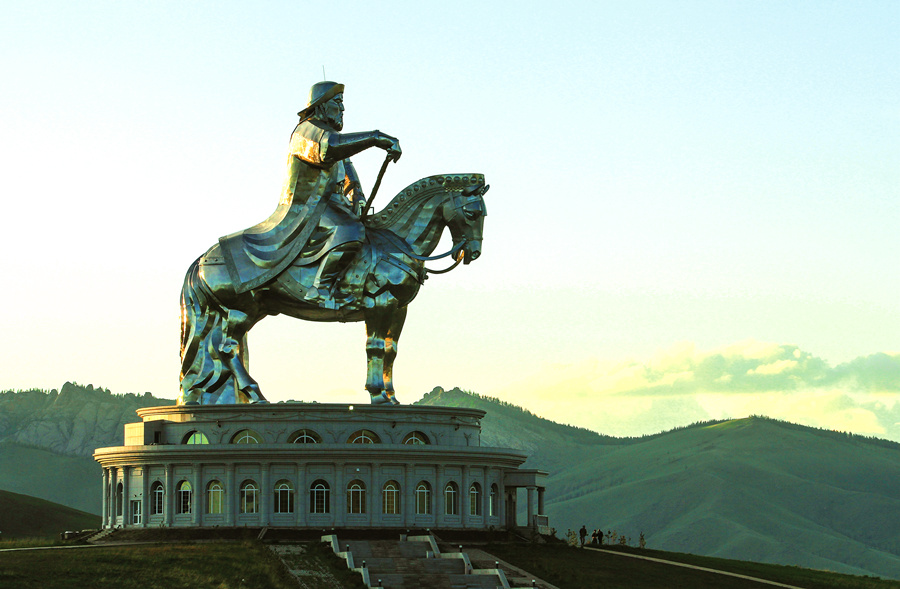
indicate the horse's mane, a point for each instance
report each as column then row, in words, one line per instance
column 416, row 193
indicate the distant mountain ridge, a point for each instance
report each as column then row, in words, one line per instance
column 751, row 489
column 72, row 421
column 47, row 439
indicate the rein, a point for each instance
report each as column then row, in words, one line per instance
column 404, row 248
column 381, row 172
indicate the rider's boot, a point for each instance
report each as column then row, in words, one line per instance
column 325, row 291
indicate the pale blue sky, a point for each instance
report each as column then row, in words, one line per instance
column 713, row 173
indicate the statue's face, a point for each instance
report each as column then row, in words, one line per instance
column 334, row 112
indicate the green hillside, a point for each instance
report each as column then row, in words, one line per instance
column 74, row 481
column 47, row 439
column 22, row 516
column 749, row 489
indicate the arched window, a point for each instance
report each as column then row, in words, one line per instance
column 305, row 436
column 249, row 497
column 492, row 504
column 416, row 438
column 363, row 436
column 475, row 499
column 451, row 499
column 183, row 497
column 284, row 497
column 356, row 497
column 247, row 436
column 319, row 497
column 390, row 498
column 158, row 498
column 215, row 497
column 195, row 437
column 120, row 490
column 423, row 499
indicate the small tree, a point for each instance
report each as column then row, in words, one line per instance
column 641, row 542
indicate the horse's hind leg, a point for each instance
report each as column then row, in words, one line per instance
column 390, row 352
column 234, row 350
column 378, row 324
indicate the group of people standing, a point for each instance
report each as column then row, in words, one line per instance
column 596, row 535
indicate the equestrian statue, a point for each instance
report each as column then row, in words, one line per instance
column 322, row 256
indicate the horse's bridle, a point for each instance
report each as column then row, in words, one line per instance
column 469, row 202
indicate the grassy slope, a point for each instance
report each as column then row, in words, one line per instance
column 751, row 489
column 247, row 565
column 69, row 480
column 22, row 516
column 748, row 489
column 569, row 568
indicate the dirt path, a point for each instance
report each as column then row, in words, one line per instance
column 698, row 568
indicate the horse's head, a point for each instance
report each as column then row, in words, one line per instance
column 465, row 213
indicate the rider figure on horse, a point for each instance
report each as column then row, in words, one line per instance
column 318, row 216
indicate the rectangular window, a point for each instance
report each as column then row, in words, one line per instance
column 136, row 512
column 284, row 501
column 391, row 504
column 214, row 500
column 156, row 506
column 184, row 501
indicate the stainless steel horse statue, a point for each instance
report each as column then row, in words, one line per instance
column 385, row 276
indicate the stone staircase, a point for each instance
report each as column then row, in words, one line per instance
column 413, row 563
column 99, row 536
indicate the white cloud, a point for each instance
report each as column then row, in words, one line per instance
column 681, row 385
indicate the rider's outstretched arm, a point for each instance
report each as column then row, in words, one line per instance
column 344, row 145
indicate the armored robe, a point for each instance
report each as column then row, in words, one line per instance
column 313, row 216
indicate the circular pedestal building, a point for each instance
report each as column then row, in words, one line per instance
column 310, row 465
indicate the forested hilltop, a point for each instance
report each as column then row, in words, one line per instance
column 73, row 420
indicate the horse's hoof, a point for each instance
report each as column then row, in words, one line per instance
column 394, row 401
column 380, row 399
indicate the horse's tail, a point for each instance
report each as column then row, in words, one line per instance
column 202, row 369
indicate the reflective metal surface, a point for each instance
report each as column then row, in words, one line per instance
column 314, row 258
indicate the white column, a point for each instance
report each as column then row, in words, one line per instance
column 113, row 484
column 265, row 494
column 373, row 491
column 197, row 494
column 439, row 508
column 408, row 496
column 531, row 493
column 465, row 504
column 230, row 495
column 339, row 496
column 104, row 514
column 301, row 504
column 145, row 494
column 501, row 501
column 126, row 501
column 485, row 497
column 170, row 494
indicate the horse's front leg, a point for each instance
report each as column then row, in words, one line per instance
column 378, row 323
column 390, row 352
